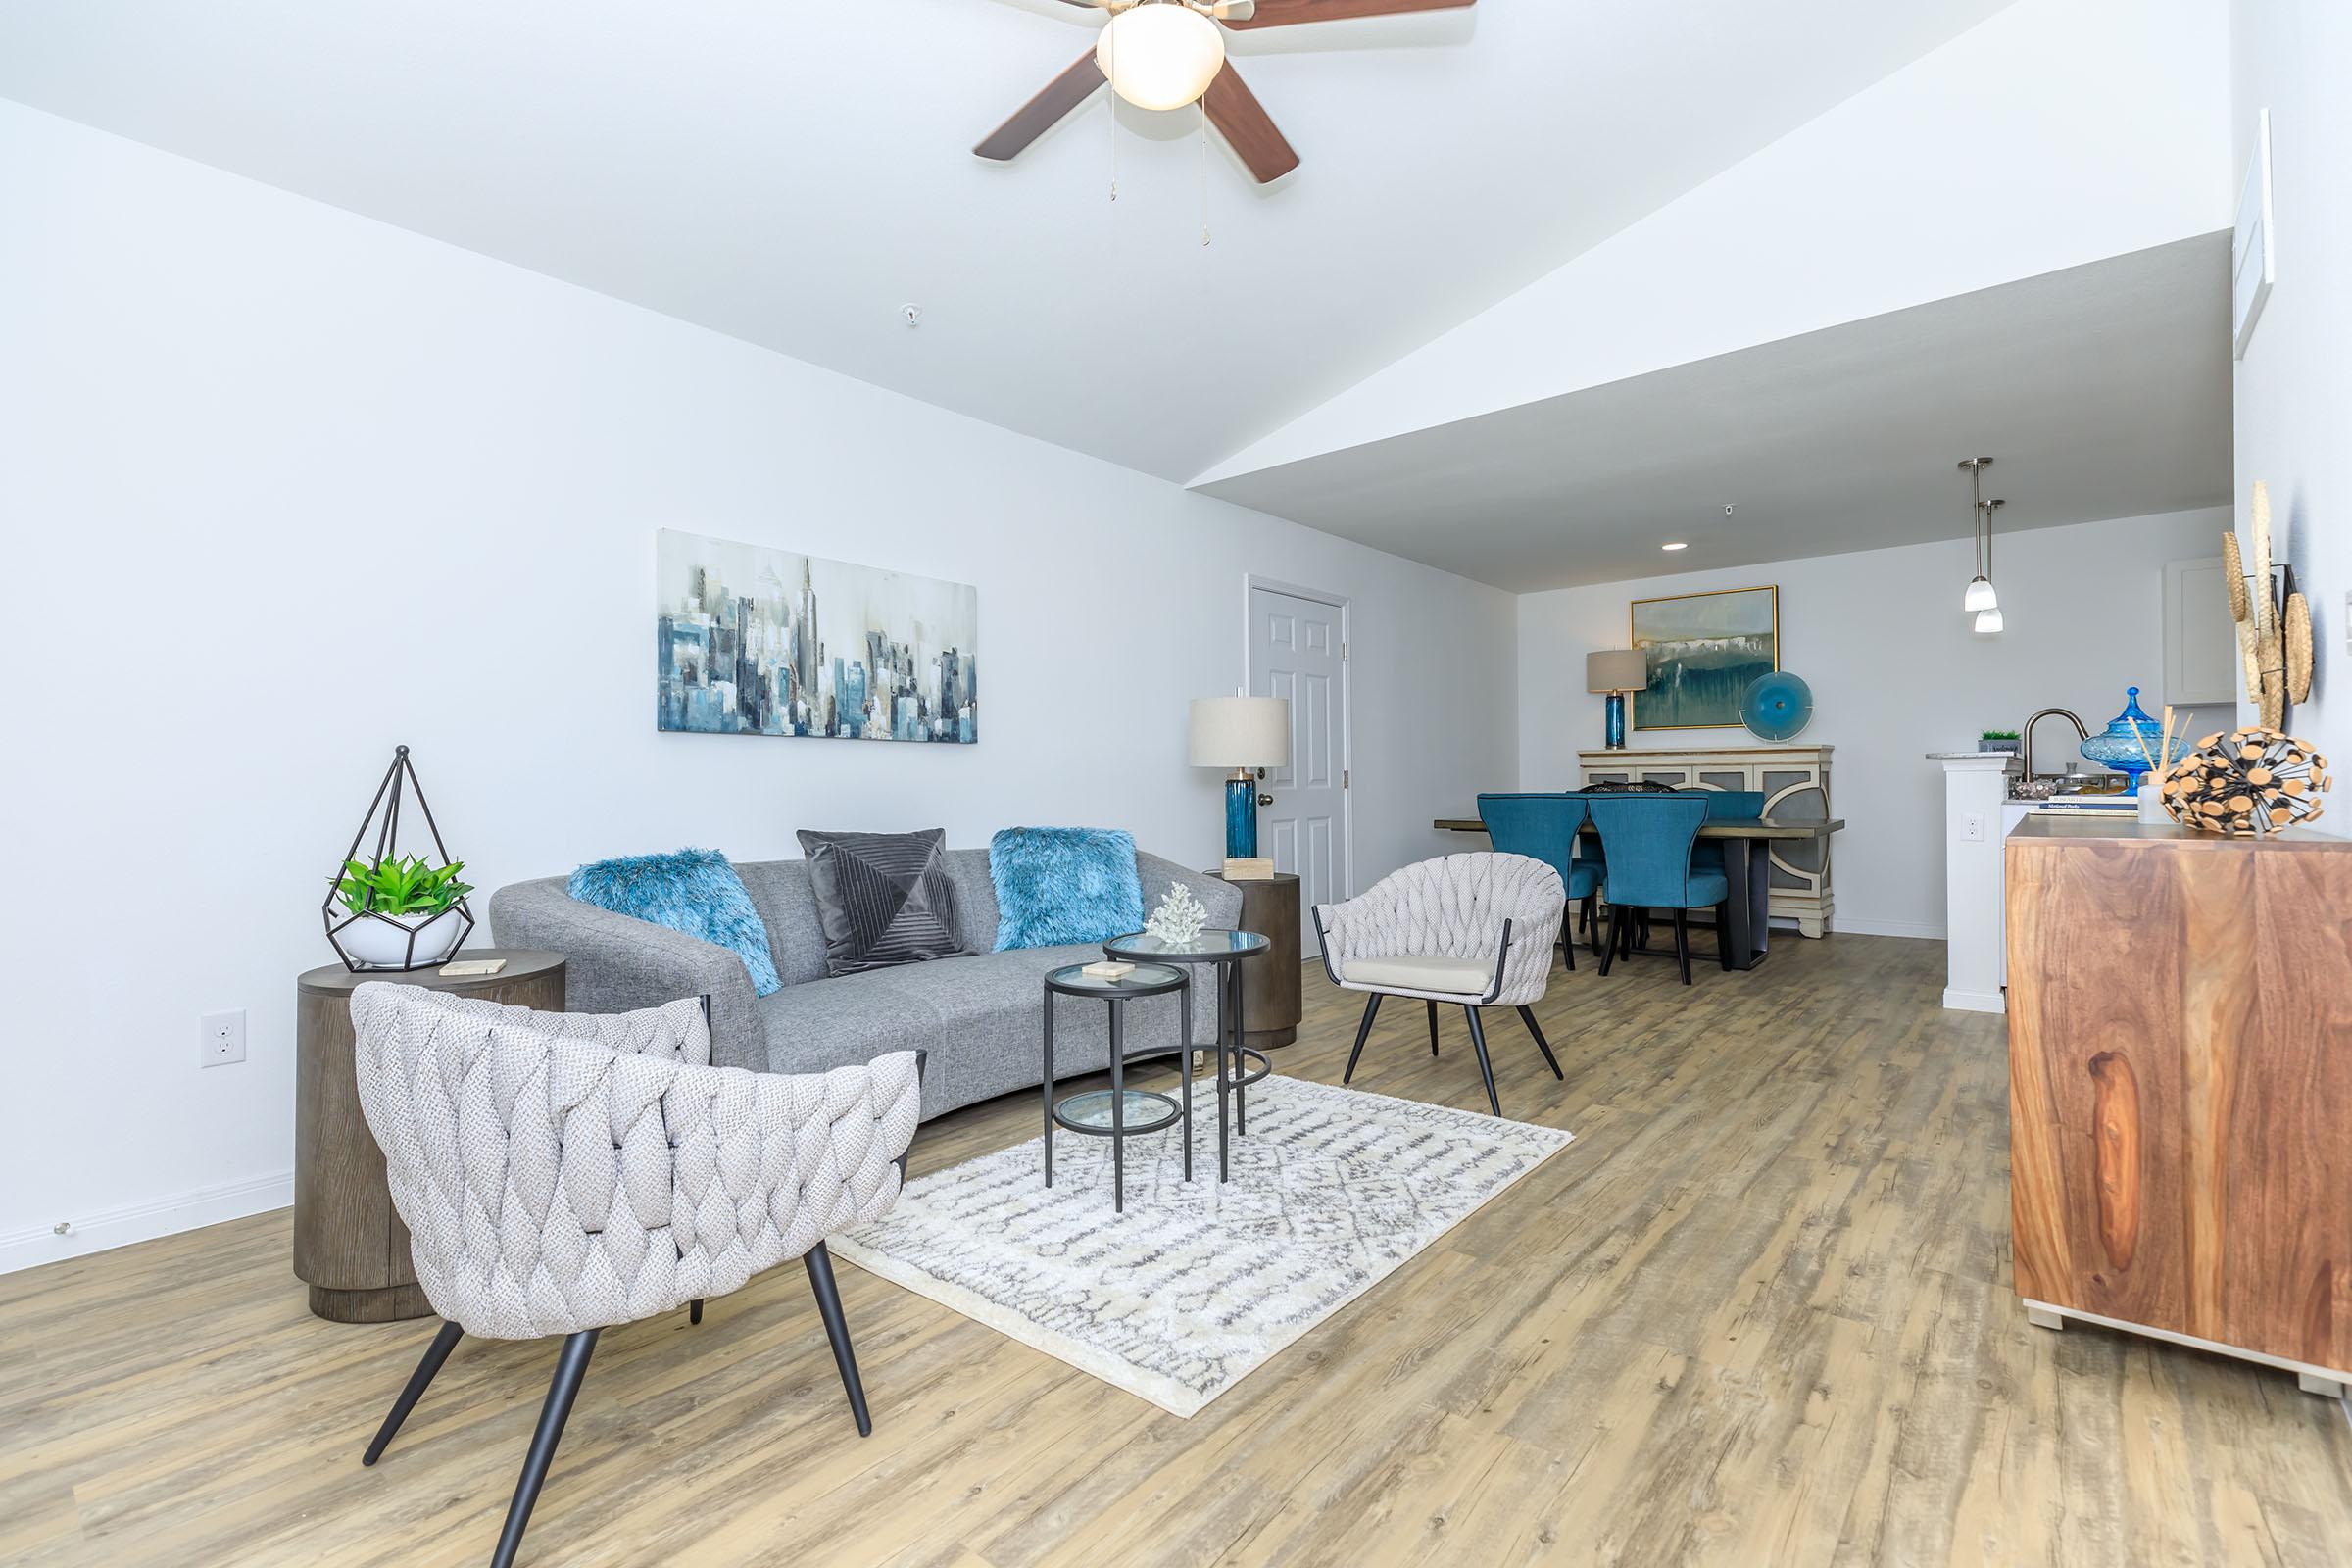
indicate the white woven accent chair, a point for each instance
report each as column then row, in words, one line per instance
column 1468, row 930
column 559, row 1173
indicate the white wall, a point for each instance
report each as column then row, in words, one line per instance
column 2294, row 386
column 1896, row 672
column 2055, row 132
column 283, row 487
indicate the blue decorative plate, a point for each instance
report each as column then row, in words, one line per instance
column 1777, row 706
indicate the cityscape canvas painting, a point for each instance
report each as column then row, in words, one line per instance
column 1703, row 651
column 754, row 641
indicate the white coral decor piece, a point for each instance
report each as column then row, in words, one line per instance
column 1179, row 917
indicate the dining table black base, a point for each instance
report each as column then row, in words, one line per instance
column 1746, row 930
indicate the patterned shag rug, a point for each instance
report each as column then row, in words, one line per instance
column 1196, row 1286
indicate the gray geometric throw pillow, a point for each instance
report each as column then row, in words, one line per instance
column 882, row 899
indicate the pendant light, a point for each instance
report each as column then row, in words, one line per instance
column 1988, row 618
column 1980, row 596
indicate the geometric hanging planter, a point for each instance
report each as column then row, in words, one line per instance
column 391, row 913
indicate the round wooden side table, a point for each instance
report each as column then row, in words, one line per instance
column 349, row 1247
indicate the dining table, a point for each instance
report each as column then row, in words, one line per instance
column 1746, row 866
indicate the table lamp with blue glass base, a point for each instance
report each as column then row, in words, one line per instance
column 1618, row 672
column 1248, row 735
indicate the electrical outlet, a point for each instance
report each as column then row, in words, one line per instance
column 1972, row 828
column 222, row 1035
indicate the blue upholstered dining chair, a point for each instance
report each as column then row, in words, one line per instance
column 1724, row 806
column 1547, row 828
column 1649, row 839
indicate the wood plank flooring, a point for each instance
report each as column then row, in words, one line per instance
column 1758, row 1312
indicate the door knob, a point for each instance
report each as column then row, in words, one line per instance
column 1265, row 800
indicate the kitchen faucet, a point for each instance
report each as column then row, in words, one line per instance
column 2081, row 729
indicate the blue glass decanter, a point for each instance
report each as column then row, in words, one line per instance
column 2118, row 746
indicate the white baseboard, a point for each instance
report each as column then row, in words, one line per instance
column 1887, row 928
column 1974, row 1001
column 144, row 1222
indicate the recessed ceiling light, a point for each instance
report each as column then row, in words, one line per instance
column 1676, row 546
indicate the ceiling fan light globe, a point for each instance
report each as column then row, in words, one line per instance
column 1988, row 621
column 1160, row 56
column 1980, row 595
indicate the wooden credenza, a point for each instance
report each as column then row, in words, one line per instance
column 2181, row 1087
column 1795, row 783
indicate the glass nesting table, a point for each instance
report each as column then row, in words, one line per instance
column 1119, row 1113
column 1236, row 1072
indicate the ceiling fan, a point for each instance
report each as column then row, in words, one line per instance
column 1164, row 54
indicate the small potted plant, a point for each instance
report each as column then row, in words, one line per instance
column 1999, row 740
column 404, row 913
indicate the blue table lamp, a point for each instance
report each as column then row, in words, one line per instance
column 1616, row 671
column 1248, row 735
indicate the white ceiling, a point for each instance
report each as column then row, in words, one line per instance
column 793, row 172
column 2101, row 391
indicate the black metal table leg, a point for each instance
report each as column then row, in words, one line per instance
column 1184, row 1063
column 1224, row 1078
column 1241, row 1063
column 1049, row 1087
column 1118, row 1113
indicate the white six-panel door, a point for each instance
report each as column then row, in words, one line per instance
column 1297, row 651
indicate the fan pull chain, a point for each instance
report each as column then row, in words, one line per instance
column 1110, row 101
column 1203, row 107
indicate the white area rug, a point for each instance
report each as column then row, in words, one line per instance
column 1196, row 1286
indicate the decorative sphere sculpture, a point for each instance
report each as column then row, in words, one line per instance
column 2246, row 782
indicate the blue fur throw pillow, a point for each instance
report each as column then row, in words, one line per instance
column 694, row 891
column 1061, row 885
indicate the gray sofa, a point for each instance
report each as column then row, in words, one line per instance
column 978, row 1016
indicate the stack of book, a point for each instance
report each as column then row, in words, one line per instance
column 2091, row 804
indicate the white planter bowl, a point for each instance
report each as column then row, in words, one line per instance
column 381, row 941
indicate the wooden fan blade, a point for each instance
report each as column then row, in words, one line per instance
column 1290, row 13
column 1243, row 122
column 1038, row 115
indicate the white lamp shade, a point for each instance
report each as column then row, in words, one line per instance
column 1241, row 731
column 1980, row 595
column 1989, row 620
column 1160, row 56
column 1617, row 669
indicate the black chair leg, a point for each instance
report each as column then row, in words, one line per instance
column 1592, row 922
column 1527, row 1016
column 571, row 1365
column 1568, row 947
column 1681, row 942
column 1433, row 1028
column 1485, row 1069
column 1371, row 1006
column 435, row 1353
column 836, row 1329
column 1608, row 948
column 694, row 1310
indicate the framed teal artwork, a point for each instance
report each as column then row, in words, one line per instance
column 1704, row 650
